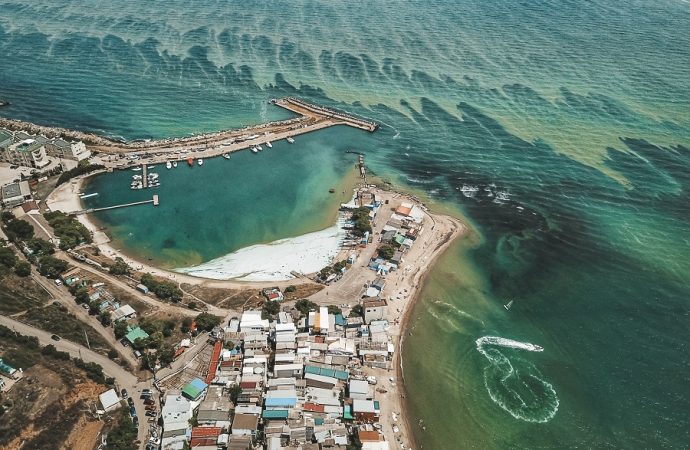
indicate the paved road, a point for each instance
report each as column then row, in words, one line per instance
column 123, row 378
column 61, row 294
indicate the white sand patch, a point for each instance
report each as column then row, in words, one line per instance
column 273, row 262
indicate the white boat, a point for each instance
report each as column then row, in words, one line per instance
column 136, row 177
column 268, row 144
column 168, row 165
column 226, row 155
column 255, row 150
column 508, row 305
column 137, row 169
column 504, row 196
column 200, row 161
column 469, row 191
column 174, row 163
column 259, row 147
column 152, row 167
column 290, row 140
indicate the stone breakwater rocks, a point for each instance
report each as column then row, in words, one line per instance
column 101, row 141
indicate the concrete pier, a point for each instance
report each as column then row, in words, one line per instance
column 310, row 117
column 154, row 200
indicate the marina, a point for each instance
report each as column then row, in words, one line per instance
column 120, row 155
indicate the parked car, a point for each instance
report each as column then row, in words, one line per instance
column 131, row 402
column 135, row 420
column 55, row 337
column 132, row 411
column 149, row 401
column 124, row 393
column 150, row 407
column 124, row 342
column 151, row 413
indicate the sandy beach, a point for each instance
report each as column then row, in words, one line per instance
column 277, row 260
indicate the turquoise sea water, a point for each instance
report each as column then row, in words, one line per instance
column 577, row 111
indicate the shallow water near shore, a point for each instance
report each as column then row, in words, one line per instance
column 560, row 129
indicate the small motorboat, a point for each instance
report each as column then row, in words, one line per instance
column 200, row 162
column 168, row 165
column 255, row 150
column 259, row 147
column 174, row 163
column 268, row 144
column 226, row 155
column 290, row 140
column 190, row 161
column 508, row 305
column 137, row 169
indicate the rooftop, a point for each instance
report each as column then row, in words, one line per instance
column 374, row 302
column 245, row 422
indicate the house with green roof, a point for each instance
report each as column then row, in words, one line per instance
column 136, row 333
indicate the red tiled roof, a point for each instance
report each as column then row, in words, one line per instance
column 214, row 362
column 248, row 384
column 203, row 441
column 314, row 407
column 28, row 206
column 205, row 431
column 369, row 436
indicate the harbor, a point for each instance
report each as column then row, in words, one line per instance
column 119, row 155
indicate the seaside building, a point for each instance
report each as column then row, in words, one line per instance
column 374, row 309
column 15, row 194
column 28, row 152
column 75, row 151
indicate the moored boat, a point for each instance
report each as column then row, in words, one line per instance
column 136, row 169
column 200, row 162
column 268, row 144
column 226, row 155
column 259, row 147
column 290, row 140
column 190, row 161
column 168, row 165
column 174, row 163
column 255, row 150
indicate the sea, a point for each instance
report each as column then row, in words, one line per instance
column 558, row 130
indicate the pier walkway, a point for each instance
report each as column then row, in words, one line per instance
column 154, row 200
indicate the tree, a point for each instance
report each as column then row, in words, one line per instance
column 104, row 317
column 40, row 247
column 290, row 289
column 81, row 295
column 22, row 269
column 333, row 309
column 186, row 325
column 386, row 251
column 304, row 306
column 112, row 353
column 357, row 311
column 7, row 257
column 21, row 229
column 325, row 272
column 271, row 308
column 120, row 267
column 51, row 267
column 120, row 329
column 235, row 391
column 206, row 321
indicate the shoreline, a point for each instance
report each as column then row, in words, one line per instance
column 402, row 290
column 440, row 231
